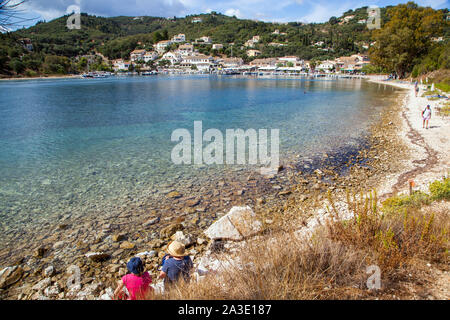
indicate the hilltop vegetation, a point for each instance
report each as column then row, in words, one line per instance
column 57, row 49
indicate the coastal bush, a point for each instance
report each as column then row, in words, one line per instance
column 400, row 202
column 331, row 264
column 445, row 110
column 444, row 86
column 440, row 190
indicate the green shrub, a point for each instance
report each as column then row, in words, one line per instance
column 440, row 189
column 396, row 203
column 443, row 86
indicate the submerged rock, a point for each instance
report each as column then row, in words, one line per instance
column 151, row 222
column 174, row 195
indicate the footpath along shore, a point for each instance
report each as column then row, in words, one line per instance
column 430, row 157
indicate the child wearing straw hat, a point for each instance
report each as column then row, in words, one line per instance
column 176, row 263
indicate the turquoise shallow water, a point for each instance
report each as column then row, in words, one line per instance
column 68, row 146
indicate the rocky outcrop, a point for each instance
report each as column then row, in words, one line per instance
column 9, row 276
column 238, row 224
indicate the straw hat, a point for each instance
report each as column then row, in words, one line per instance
column 176, row 249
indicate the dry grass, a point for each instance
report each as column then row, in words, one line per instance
column 332, row 263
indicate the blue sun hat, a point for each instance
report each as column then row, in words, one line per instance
column 135, row 265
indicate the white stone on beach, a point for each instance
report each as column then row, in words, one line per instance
column 146, row 254
column 41, row 285
column 237, row 224
column 179, row 236
column 49, row 271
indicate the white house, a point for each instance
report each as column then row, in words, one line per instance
column 251, row 43
column 253, row 53
column 276, row 44
column 196, row 20
column 295, row 60
column 217, row 46
column 204, row 39
column 162, row 45
column 137, row 55
column 150, row 56
column 179, row 38
column 326, row 65
column 172, row 57
column 202, row 62
column 120, row 65
column 185, row 49
column 232, row 62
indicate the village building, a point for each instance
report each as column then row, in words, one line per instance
column 251, row 43
column 204, row 40
column 26, row 43
column 162, row 45
column 293, row 59
column 150, row 56
column 326, row 66
column 137, row 55
column 121, row 65
column 185, row 49
column 253, row 53
column 217, row 46
column 173, row 57
column 231, row 62
column 179, row 38
column 201, row 62
column 352, row 63
column 276, row 44
column 266, row 62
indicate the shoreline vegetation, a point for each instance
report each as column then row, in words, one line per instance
column 332, row 266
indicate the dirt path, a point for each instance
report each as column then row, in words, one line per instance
column 430, row 156
column 423, row 165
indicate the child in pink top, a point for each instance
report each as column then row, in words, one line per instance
column 137, row 282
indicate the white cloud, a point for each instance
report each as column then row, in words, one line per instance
column 233, row 12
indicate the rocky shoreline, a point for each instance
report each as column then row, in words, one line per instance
column 99, row 248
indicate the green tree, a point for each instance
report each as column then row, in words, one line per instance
column 405, row 37
column 17, row 65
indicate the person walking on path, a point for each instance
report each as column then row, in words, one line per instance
column 426, row 116
column 416, row 88
column 137, row 282
column 175, row 264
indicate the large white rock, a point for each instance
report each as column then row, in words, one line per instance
column 239, row 223
column 179, row 236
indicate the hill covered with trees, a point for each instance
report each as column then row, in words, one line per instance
column 56, row 49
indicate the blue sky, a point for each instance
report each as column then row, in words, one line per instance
column 266, row 10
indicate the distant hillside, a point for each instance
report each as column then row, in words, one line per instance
column 55, row 47
column 117, row 36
